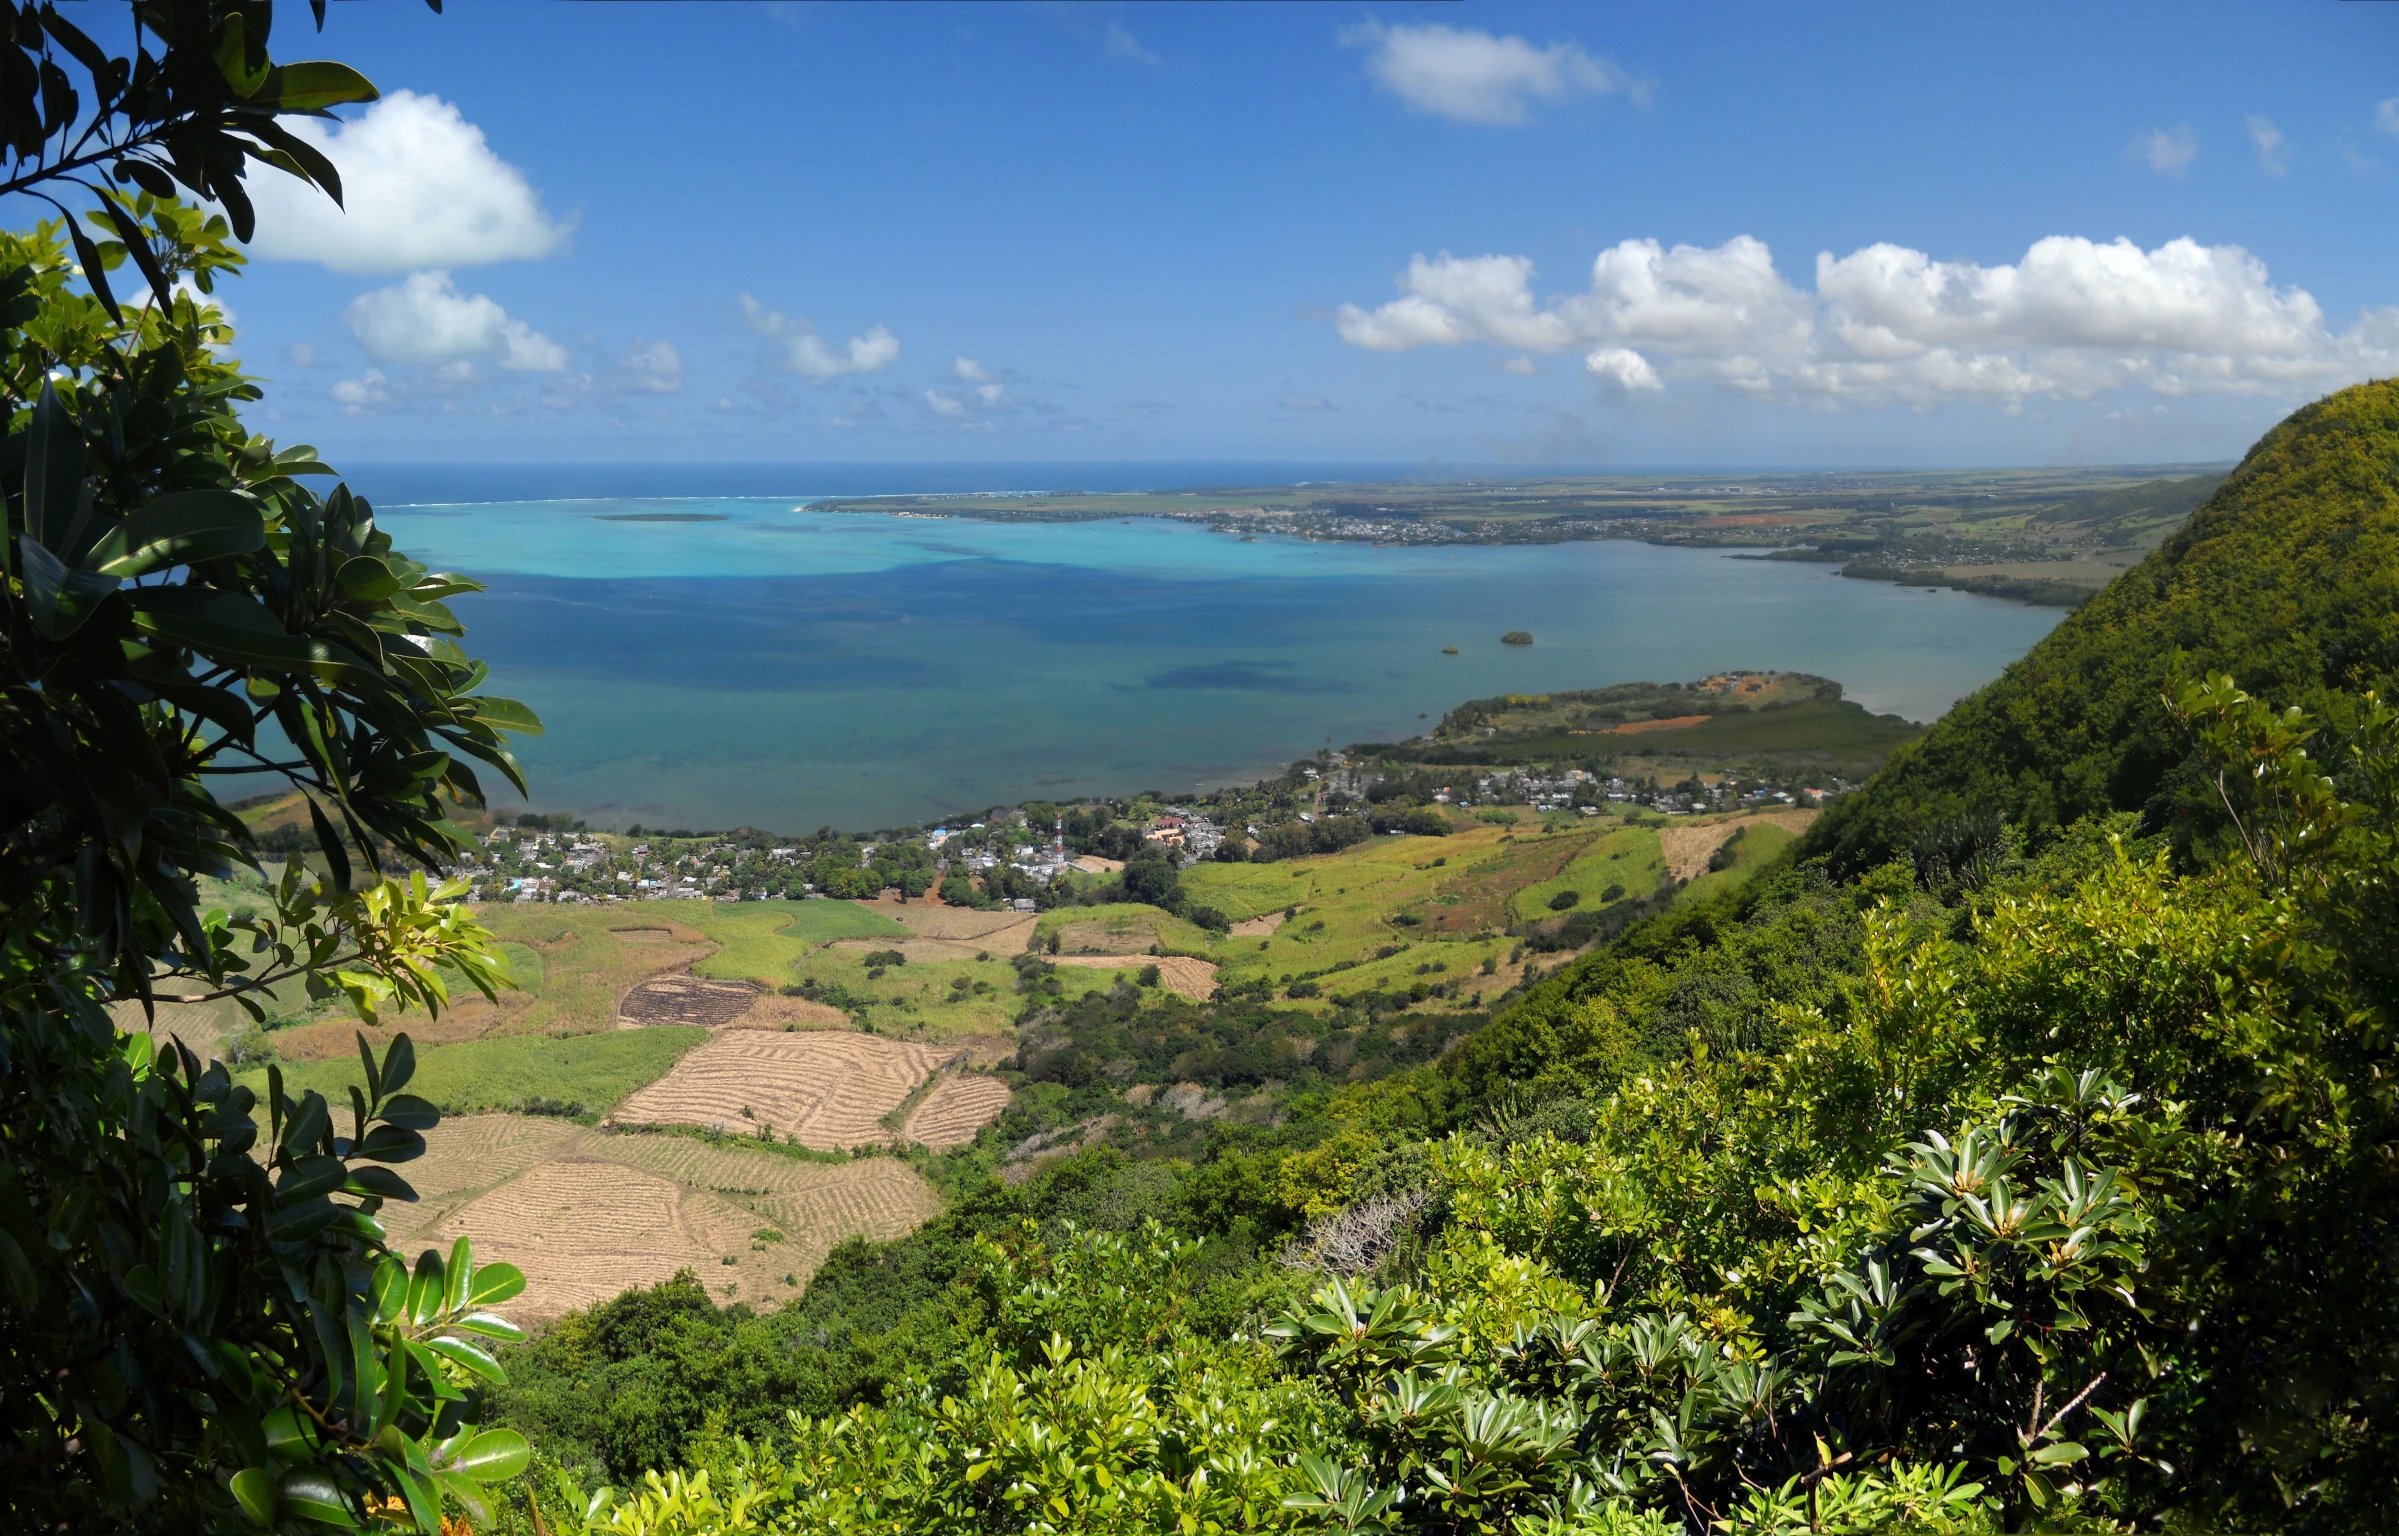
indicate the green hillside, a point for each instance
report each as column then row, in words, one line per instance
column 2037, row 1183
column 2287, row 576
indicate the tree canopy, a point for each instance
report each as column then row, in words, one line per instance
column 203, row 1326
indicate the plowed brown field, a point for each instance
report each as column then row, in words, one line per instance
column 828, row 1088
column 685, row 1000
column 956, row 1109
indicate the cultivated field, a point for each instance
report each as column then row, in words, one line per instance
column 586, row 1214
column 759, row 941
column 1125, row 928
column 1195, row 979
column 685, row 1000
column 1388, row 912
column 1629, row 858
column 1688, row 847
column 959, row 1106
column 1002, row 933
column 827, row 1089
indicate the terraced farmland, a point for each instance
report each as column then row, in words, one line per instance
column 586, row 1213
column 827, row 1089
column 956, row 1110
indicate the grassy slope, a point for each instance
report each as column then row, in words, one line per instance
column 1760, row 843
column 1629, row 857
column 762, row 940
column 2288, row 576
column 1123, row 928
column 1354, row 904
column 501, row 1074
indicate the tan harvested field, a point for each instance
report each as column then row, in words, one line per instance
column 1118, row 936
column 1195, row 979
column 828, row 1088
column 1002, row 933
column 1258, row 927
column 585, row 1229
column 956, row 1110
column 468, row 1154
column 586, row 1214
column 1688, row 848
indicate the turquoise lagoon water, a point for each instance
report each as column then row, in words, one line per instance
column 790, row 669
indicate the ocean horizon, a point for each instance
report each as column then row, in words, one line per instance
column 773, row 666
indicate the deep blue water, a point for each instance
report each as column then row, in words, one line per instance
column 788, row 668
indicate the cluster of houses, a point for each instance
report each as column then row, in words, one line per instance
column 532, row 866
column 1189, row 836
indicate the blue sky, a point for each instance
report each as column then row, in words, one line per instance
column 1337, row 232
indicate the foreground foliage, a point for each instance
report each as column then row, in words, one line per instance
column 200, row 1326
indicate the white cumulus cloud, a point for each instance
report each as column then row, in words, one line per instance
column 425, row 319
column 1624, row 369
column 420, row 189
column 1470, row 76
column 967, row 371
column 1886, row 324
column 2273, row 149
column 2167, row 151
column 807, row 354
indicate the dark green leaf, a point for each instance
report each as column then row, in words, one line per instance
column 390, row 1144
column 177, row 529
column 399, row 1065
column 254, row 1491
column 329, row 843
column 411, row 1113
column 314, row 1495
column 379, row 1182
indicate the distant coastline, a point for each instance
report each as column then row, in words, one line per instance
column 2047, row 537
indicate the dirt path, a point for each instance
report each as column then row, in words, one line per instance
column 1688, row 848
column 1259, row 927
column 1195, row 979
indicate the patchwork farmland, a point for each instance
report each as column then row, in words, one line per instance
column 734, row 1089
column 825, row 1089
column 587, row 1213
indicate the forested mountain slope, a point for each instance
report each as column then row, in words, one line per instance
column 2042, row 1177
column 2289, row 576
